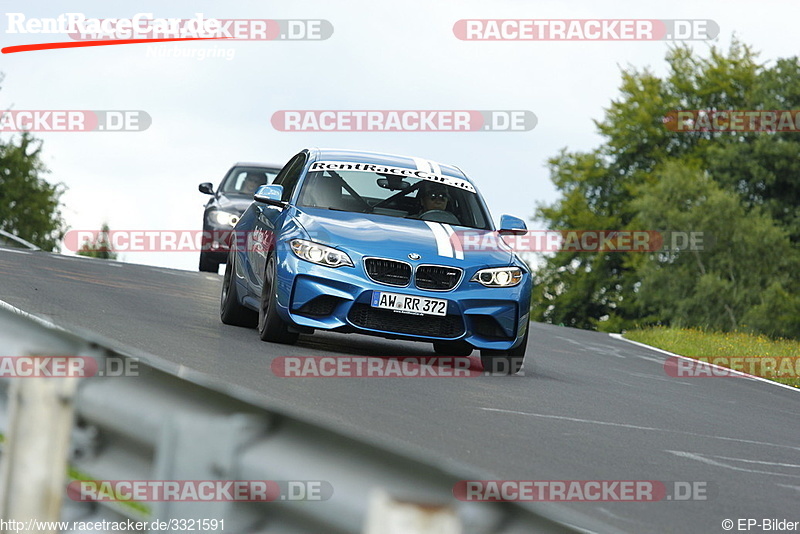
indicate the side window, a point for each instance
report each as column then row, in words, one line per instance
column 290, row 174
column 237, row 179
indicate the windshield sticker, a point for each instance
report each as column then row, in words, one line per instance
column 398, row 171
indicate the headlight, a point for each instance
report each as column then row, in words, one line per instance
column 320, row 254
column 499, row 276
column 224, row 218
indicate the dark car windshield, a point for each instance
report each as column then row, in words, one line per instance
column 393, row 196
column 245, row 180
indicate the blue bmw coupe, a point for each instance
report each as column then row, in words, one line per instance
column 384, row 245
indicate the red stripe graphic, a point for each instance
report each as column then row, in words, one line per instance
column 72, row 44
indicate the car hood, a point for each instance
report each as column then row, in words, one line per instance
column 393, row 237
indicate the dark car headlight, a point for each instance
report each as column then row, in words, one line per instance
column 223, row 218
column 498, row 276
column 320, row 254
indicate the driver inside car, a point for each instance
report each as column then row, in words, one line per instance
column 252, row 182
column 432, row 197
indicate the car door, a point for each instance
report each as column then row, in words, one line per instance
column 269, row 220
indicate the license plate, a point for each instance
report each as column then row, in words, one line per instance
column 408, row 304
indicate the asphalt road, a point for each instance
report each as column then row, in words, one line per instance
column 589, row 407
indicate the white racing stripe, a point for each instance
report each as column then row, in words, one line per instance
column 442, row 239
column 454, row 241
column 422, row 165
column 442, row 232
column 427, row 165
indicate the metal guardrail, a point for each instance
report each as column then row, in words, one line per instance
column 10, row 240
column 160, row 426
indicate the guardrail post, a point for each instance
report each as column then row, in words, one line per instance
column 34, row 463
column 205, row 447
column 387, row 515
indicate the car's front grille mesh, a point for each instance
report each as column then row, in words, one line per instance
column 365, row 316
column 437, row 277
column 398, row 274
column 390, row 272
column 488, row 327
column 320, row 306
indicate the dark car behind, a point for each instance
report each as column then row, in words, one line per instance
column 234, row 195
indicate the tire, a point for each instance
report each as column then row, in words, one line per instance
column 270, row 326
column 230, row 311
column 453, row 348
column 208, row 265
column 505, row 362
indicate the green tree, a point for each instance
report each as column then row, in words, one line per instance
column 30, row 207
column 756, row 175
column 744, row 253
column 577, row 288
column 100, row 247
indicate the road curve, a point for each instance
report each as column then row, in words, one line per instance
column 589, row 407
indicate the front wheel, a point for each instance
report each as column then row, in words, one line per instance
column 270, row 326
column 505, row 362
column 230, row 311
column 208, row 265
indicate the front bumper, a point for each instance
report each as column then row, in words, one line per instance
column 215, row 242
column 339, row 299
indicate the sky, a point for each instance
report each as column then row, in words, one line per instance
column 210, row 113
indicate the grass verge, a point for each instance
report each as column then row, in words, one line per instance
column 777, row 360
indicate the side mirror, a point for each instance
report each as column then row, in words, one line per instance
column 207, row 188
column 510, row 225
column 270, row 194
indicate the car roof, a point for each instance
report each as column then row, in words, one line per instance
column 255, row 164
column 381, row 158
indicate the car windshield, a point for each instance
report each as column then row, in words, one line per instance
column 393, row 196
column 245, row 180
